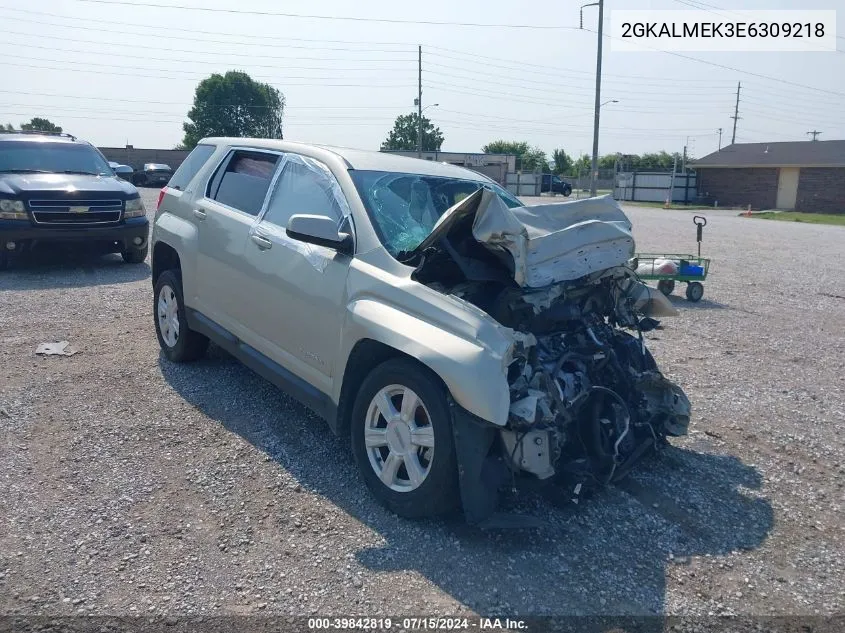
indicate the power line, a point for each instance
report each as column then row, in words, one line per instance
column 184, row 50
column 544, row 27
column 205, row 62
column 170, row 29
column 545, row 85
column 524, row 67
column 725, row 67
column 135, row 74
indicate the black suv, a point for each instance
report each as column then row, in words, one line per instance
column 55, row 188
column 152, row 175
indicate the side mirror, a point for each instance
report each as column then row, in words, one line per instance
column 320, row 230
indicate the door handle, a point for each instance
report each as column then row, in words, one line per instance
column 199, row 214
column 262, row 242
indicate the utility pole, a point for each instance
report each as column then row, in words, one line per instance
column 736, row 116
column 419, row 102
column 814, row 133
column 720, row 139
column 597, row 109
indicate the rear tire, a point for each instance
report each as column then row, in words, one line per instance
column 567, row 191
column 178, row 342
column 418, row 437
column 135, row 255
column 695, row 291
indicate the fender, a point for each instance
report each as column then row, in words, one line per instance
column 474, row 372
column 182, row 236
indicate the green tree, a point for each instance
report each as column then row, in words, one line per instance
column 405, row 131
column 659, row 160
column 234, row 105
column 561, row 162
column 7, row 128
column 608, row 161
column 582, row 165
column 527, row 158
column 37, row 124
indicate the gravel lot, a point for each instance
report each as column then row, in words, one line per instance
column 133, row 486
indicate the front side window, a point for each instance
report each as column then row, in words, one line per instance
column 405, row 207
column 52, row 158
column 304, row 187
column 242, row 181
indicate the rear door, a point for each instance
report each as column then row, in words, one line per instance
column 233, row 199
column 297, row 290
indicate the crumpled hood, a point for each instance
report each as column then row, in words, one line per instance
column 550, row 243
column 547, row 243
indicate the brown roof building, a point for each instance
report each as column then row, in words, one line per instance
column 803, row 175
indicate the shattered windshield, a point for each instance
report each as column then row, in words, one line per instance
column 405, row 207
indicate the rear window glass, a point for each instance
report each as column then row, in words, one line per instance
column 242, row 183
column 190, row 166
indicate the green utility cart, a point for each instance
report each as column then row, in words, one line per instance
column 668, row 268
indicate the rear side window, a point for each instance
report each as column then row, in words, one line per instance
column 242, row 181
column 190, row 166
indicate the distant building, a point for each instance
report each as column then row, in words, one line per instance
column 801, row 175
column 495, row 166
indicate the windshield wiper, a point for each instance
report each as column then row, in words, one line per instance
column 77, row 171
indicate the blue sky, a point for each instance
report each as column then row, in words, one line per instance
column 114, row 73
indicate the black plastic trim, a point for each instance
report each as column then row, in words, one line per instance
column 270, row 370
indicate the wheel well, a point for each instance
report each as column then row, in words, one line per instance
column 364, row 357
column 165, row 257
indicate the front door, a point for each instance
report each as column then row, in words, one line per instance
column 298, row 289
column 787, row 187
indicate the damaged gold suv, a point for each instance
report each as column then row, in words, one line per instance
column 456, row 336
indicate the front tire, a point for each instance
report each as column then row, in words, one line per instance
column 178, row 342
column 135, row 255
column 402, row 440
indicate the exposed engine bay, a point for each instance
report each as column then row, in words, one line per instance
column 586, row 397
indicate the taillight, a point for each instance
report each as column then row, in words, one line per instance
column 160, row 197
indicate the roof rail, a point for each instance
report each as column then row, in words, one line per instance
column 45, row 132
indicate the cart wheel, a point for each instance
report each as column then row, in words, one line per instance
column 666, row 286
column 695, row 291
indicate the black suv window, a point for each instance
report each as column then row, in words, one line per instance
column 191, row 166
column 52, row 157
column 242, row 181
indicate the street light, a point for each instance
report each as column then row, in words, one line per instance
column 420, row 125
column 611, row 101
